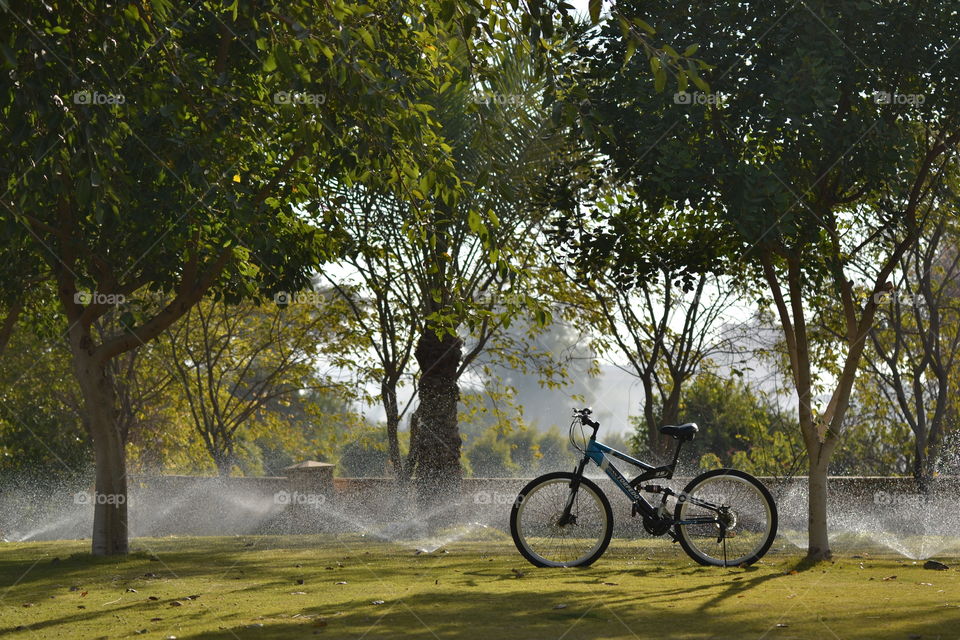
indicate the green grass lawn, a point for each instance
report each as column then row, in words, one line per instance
column 250, row 587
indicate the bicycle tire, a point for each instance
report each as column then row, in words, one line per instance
column 705, row 552
column 522, row 529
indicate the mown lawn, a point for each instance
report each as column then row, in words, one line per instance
column 250, row 587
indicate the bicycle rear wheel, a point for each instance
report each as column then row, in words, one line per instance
column 726, row 518
column 541, row 539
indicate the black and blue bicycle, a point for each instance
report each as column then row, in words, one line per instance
column 722, row 518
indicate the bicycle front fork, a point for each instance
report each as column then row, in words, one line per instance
column 567, row 517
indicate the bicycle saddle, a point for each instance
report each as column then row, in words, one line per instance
column 683, row 432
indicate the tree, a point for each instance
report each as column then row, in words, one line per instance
column 666, row 333
column 803, row 162
column 364, row 454
column 234, row 363
column 167, row 151
column 433, row 270
column 739, row 426
column 876, row 441
column 41, row 429
column 915, row 344
column 521, row 452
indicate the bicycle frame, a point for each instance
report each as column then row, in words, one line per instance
column 600, row 454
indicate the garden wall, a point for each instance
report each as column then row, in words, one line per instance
column 309, row 499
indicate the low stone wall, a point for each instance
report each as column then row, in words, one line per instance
column 878, row 501
column 309, row 500
column 197, row 505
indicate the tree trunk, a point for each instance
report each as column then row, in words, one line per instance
column 658, row 445
column 110, row 497
column 818, row 541
column 224, row 462
column 671, row 415
column 435, row 444
column 388, row 394
column 928, row 467
column 920, row 460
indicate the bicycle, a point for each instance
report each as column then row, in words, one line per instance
column 723, row 517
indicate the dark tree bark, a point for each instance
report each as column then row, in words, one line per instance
column 435, row 437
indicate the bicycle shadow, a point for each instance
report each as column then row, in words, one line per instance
column 744, row 580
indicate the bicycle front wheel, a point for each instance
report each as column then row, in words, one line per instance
column 535, row 522
column 726, row 518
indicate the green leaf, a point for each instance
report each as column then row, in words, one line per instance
column 366, row 37
column 643, row 25
column 473, row 219
column 689, row 51
column 469, row 22
column 697, row 80
column 270, row 64
column 595, row 6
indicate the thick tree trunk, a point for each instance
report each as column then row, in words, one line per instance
column 110, row 497
column 435, row 444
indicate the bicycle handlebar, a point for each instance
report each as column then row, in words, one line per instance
column 582, row 414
